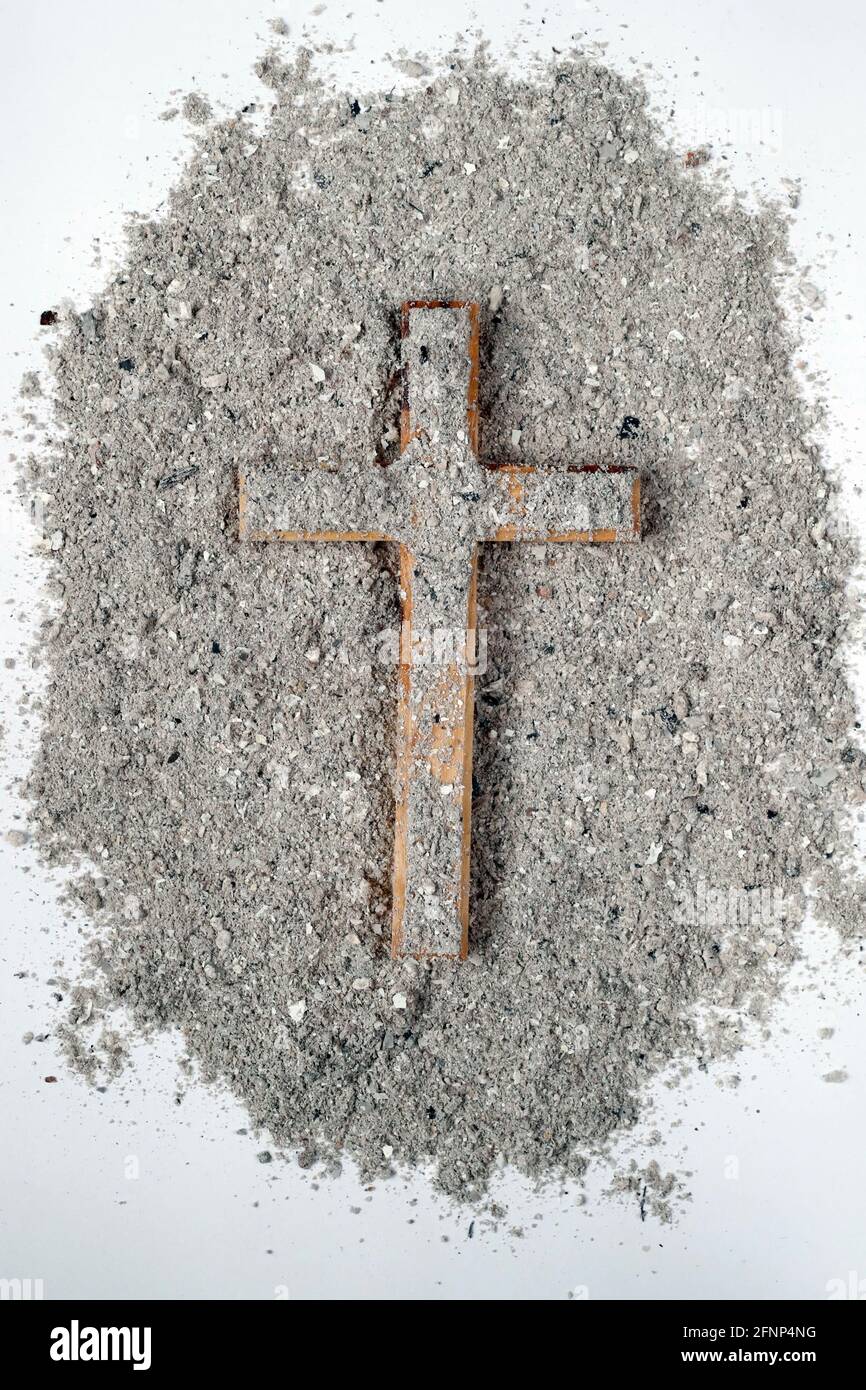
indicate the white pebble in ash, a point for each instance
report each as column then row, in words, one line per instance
column 410, row 67
column 317, row 372
column 399, row 1001
column 297, row 1011
column 351, row 333
column 177, row 310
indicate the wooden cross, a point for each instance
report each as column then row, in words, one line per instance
column 438, row 503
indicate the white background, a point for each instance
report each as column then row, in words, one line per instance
column 778, row 1205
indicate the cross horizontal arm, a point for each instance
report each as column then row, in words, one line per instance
column 575, row 504
column 276, row 503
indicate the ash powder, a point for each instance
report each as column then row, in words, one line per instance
column 663, row 734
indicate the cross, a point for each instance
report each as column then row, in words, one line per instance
column 438, row 503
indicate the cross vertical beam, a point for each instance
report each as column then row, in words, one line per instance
column 438, row 439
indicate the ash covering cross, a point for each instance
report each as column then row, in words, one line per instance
column 438, row 503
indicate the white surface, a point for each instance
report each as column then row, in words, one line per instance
column 778, row 1199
